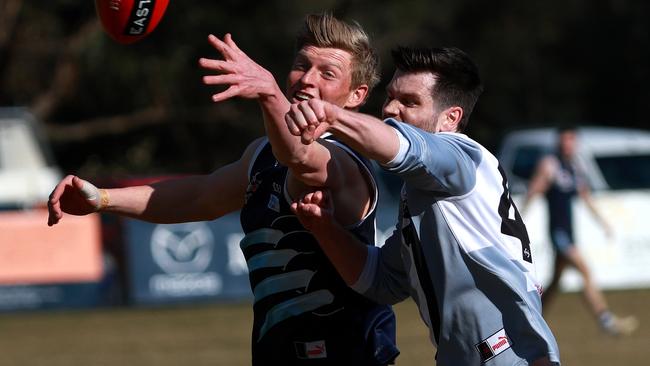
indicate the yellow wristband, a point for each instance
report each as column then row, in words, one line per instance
column 103, row 199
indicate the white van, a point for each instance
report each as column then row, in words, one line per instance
column 27, row 170
column 617, row 164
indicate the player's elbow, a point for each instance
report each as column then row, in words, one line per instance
column 296, row 160
column 308, row 173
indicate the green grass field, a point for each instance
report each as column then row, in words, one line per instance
column 219, row 335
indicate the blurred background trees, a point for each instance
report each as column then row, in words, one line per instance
column 118, row 110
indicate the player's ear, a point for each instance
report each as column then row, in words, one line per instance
column 451, row 119
column 357, row 97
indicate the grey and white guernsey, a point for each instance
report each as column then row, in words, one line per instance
column 461, row 250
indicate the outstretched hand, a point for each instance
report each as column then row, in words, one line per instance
column 315, row 210
column 310, row 119
column 240, row 73
column 74, row 196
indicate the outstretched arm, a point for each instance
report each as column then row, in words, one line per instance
column 428, row 161
column 366, row 134
column 245, row 78
column 194, row 198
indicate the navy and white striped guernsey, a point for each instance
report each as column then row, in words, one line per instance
column 303, row 310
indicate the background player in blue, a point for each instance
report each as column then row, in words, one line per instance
column 303, row 311
column 460, row 248
column 559, row 177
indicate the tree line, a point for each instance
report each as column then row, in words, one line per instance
column 116, row 110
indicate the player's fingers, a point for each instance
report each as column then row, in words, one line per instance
column 319, row 131
column 325, row 200
column 221, row 79
column 318, row 108
column 322, row 198
column 79, row 183
column 231, row 43
column 307, row 136
column 294, row 207
column 300, row 208
column 304, row 209
column 312, row 210
column 307, row 197
column 231, row 92
column 216, row 65
column 89, row 192
column 291, row 125
column 60, row 188
column 220, row 46
column 55, row 194
column 298, row 116
column 317, row 197
column 308, row 113
column 54, row 200
column 54, row 213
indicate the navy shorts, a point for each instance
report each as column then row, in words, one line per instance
column 562, row 240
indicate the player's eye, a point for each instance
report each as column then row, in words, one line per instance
column 329, row 74
column 299, row 66
column 410, row 103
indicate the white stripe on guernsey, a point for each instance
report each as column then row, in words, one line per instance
column 270, row 259
column 261, row 236
column 297, row 280
column 404, row 145
column 295, row 307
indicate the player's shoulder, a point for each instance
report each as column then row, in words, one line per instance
column 343, row 151
column 256, row 145
column 460, row 138
column 465, row 147
column 249, row 156
column 253, row 150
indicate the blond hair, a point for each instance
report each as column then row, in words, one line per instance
column 326, row 31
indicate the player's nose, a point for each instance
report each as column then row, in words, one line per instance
column 390, row 109
column 309, row 77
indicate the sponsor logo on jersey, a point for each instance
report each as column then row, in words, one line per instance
column 311, row 350
column 493, row 345
column 274, row 203
column 277, row 188
column 253, row 185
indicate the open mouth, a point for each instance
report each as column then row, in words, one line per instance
column 300, row 96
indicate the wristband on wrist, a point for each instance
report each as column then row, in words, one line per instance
column 103, row 199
